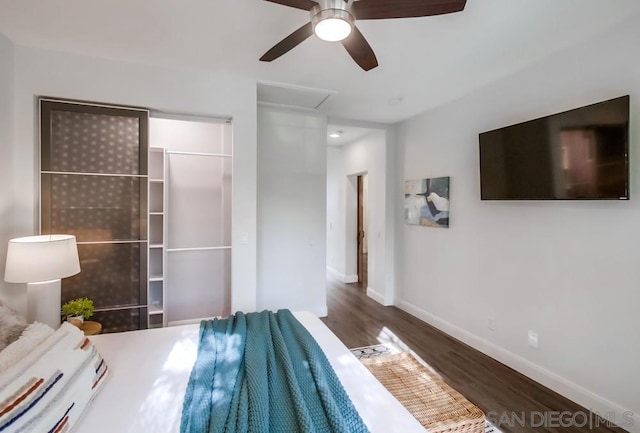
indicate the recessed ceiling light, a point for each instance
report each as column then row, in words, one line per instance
column 396, row 101
column 336, row 134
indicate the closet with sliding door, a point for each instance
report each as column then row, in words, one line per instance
column 149, row 201
column 196, row 218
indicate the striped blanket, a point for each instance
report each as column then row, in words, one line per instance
column 48, row 389
column 264, row 372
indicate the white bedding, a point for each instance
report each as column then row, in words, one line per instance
column 150, row 370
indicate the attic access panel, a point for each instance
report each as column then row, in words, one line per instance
column 285, row 95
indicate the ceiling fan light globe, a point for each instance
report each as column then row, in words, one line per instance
column 333, row 29
column 331, row 21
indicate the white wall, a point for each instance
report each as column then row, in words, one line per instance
column 364, row 155
column 569, row 270
column 48, row 73
column 7, row 291
column 291, row 210
column 335, row 214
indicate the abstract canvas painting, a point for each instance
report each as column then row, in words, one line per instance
column 426, row 202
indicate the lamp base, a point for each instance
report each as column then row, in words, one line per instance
column 43, row 303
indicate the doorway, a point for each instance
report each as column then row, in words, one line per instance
column 361, row 230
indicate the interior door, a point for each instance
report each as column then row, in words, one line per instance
column 362, row 245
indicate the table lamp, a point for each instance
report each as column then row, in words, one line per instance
column 41, row 261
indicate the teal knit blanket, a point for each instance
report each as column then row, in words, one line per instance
column 264, row 372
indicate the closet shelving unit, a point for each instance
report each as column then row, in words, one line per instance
column 157, row 236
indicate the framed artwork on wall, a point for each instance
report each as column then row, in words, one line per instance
column 426, row 202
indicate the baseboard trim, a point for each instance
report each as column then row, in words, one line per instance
column 321, row 312
column 342, row 277
column 376, row 296
column 636, row 423
column 624, row 417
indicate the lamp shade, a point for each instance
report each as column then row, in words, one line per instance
column 41, row 258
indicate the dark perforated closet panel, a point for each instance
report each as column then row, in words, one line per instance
column 94, row 186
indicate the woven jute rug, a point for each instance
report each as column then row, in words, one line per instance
column 437, row 406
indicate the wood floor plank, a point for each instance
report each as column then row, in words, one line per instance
column 358, row 321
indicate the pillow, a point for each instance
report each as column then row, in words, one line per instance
column 11, row 326
column 48, row 389
column 31, row 337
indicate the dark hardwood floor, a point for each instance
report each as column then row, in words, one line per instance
column 509, row 398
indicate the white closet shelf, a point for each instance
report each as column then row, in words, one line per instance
column 179, row 152
column 156, row 246
column 155, row 309
column 177, row 250
column 156, row 213
column 156, row 278
column 156, row 180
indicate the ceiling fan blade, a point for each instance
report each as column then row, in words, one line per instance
column 381, row 9
column 360, row 50
column 298, row 4
column 288, row 43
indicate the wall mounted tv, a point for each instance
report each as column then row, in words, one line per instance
column 580, row 154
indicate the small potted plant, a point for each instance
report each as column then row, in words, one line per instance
column 77, row 310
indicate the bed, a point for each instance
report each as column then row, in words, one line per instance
column 149, row 372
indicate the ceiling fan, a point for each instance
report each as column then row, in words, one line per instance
column 334, row 20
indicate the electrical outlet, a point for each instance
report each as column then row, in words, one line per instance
column 533, row 339
column 491, row 323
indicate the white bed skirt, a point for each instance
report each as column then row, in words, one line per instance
column 149, row 371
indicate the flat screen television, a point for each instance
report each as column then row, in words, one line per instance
column 580, row 154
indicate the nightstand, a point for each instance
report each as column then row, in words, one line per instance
column 90, row 327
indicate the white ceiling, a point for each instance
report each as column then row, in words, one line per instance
column 424, row 61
